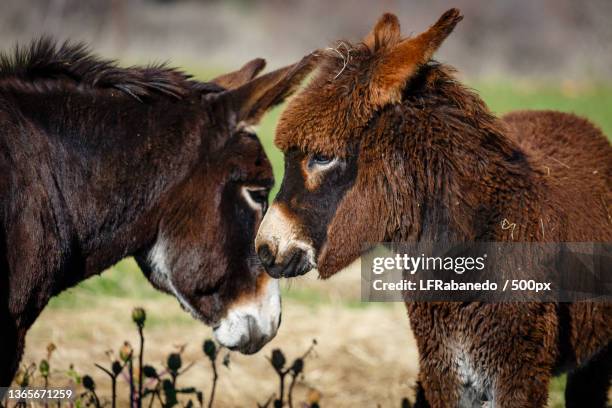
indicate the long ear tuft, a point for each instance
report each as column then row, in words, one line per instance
column 430, row 40
column 253, row 99
column 385, row 34
column 400, row 63
column 238, row 78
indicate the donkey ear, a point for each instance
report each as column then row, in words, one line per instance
column 253, row 99
column 401, row 62
column 386, row 33
column 238, row 78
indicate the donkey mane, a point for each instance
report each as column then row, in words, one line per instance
column 45, row 65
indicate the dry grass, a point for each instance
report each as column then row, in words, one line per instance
column 364, row 355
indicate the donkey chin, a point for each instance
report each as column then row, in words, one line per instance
column 246, row 324
column 250, row 324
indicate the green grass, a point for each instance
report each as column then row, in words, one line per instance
column 593, row 101
column 556, row 397
column 124, row 280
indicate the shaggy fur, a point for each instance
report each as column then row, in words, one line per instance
column 423, row 159
column 99, row 162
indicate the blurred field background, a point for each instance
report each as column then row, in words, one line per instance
column 518, row 55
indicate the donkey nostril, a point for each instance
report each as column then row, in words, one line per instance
column 265, row 255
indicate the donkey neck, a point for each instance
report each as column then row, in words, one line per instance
column 472, row 194
column 471, row 170
column 112, row 160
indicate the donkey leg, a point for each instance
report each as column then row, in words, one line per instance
column 420, row 400
column 587, row 385
column 527, row 388
column 437, row 388
column 12, row 343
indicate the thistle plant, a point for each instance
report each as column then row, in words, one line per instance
column 90, row 387
column 115, row 369
column 44, row 368
column 139, row 316
column 162, row 387
column 278, row 361
column 211, row 350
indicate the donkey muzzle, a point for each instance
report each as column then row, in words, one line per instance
column 250, row 324
column 296, row 263
column 281, row 246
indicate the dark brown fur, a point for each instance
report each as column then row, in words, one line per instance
column 421, row 158
column 99, row 162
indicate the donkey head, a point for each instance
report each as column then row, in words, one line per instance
column 203, row 252
column 343, row 152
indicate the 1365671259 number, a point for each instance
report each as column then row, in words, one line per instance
column 37, row 394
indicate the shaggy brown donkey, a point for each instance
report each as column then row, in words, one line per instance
column 99, row 162
column 385, row 145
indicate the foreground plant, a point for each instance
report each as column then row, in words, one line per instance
column 151, row 387
column 164, row 388
column 139, row 316
column 115, row 369
column 211, row 350
column 278, row 361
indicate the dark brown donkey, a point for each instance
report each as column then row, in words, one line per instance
column 385, row 145
column 99, row 162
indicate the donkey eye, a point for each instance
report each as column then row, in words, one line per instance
column 259, row 196
column 256, row 197
column 318, row 159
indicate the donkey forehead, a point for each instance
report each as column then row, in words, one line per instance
column 317, row 121
column 328, row 114
column 245, row 156
column 243, row 145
